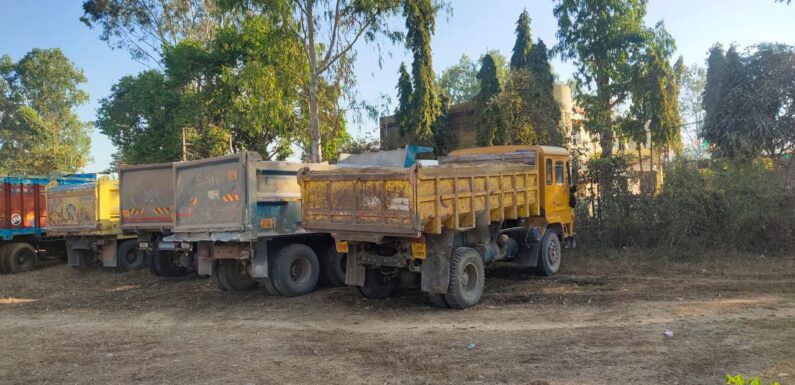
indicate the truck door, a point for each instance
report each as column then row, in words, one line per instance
column 556, row 190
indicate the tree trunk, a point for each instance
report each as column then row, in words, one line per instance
column 653, row 186
column 642, row 177
column 315, row 155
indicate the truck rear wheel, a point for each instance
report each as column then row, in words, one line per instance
column 378, row 285
column 20, row 257
column 4, row 262
column 467, row 278
column 128, row 257
column 165, row 263
column 296, row 270
column 549, row 255
column 334, row 265
column 233, row 276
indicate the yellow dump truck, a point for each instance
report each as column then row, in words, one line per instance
column 436, row 227
column 87, row 216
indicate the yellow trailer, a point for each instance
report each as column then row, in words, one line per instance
column 436, row 227
column 87, row 216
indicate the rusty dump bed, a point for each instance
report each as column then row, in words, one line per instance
column 371, row 203
column 147, row 196
column 237, row 198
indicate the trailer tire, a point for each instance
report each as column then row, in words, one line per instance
column 438, row 300
column 377, row 285
column 296, row 270
column 334, row 265
column 21, row 257
column 5, row 267
column 163, row 264
column 467, row 278
column 128, row 257
column 549, row 255
column 234, row 277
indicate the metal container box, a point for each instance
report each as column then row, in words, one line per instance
column 147, row 197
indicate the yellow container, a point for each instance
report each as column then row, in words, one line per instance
column 84, row 209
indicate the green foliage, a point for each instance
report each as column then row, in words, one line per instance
column 523, row 43
column 604, row 38
column 420, row 23
column 750, row 101
column 691, row 108
column 491, row 125
column 39, row 130
column 460, row 81
column 404, row 91
column 738, row 380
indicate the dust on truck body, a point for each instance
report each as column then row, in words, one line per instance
column 23, row 216
column 87, row 216
column 436, row 227
column 243, row 214
column 147, row 208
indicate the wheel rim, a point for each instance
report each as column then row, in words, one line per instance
column 553, row 253
column 24, row 258
column 469, row 278
column 300, row 270
column 131, row 257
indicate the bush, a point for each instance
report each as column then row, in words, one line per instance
column 747, row 206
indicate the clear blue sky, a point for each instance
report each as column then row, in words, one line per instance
column 473, row 27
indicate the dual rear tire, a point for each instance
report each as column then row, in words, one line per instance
column 467, row 280
column 17, row 258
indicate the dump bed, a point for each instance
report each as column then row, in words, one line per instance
column 372, row 203
column 239, row 197
column 23, row 203
column 90, row 208
column 147, row 196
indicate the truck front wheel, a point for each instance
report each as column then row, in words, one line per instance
column 378, row 285
column 296, row 270
column 467, row 278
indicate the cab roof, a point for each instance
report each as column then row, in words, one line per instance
column 548, row 150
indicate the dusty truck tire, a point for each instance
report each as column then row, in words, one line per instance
column 377, row 285
column 549, row 255
column 21, row 257
column 334, row 265
column 163, row 263
column 234, row 277
column 5, row 267
column 467, row 278
column 128, row 257
column 296, row 270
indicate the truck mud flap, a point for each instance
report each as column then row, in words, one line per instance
column 354, row 270
column 109, row 253
column 259, row 263
column 436, row 268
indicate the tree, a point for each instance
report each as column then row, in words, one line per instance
column 460, row 81
column 144, row 27
column 425, row 108
column 523, row 43
column 604, row 38
column 490, row 125
column 544, row 109
column 39, row 130
column 404, row 91
column 691, row 108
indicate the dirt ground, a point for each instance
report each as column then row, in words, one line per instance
column 600, row 321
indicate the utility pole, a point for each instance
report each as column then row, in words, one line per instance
column 231, row 149
column 184, row 146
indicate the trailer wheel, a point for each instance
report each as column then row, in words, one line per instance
column 21, row 257
column 467, row 278
column 128, row 257
column 4, row 262
column 334, row 265
column 378, row 285
column 549, row 255
column 165, row 263
column 296, row 270
column 438, row 300
column 234, row 276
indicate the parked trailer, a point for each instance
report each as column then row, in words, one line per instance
column 147, row 207
column 87, row 216
column 243, row 213
column 23, row 216
column 436, row 227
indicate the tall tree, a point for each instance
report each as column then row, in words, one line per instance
column 691, row 108
column 144, row 27
column 544, row 109
column 604, row 38
column 404, row 91
column 523, row 43
column 425, row 108
column 711, row 97
column 490, row 125
column 460, row 81
column 39, row 130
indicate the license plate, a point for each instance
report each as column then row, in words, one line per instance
column 143, row 245
column 266, row 223
column 418, row 250
column 342, row 246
